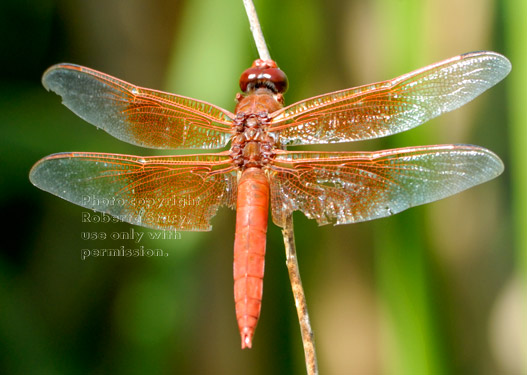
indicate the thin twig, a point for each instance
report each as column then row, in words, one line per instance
column 256, row 30
column 288, row 230
column 300, row 298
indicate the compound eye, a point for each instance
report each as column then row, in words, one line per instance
column 279, row 79
column 264, row 74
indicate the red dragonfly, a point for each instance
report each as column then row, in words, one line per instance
column 338, row 187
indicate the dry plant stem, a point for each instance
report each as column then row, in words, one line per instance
column 300, row 298
column 288, row 230
column 256, row 30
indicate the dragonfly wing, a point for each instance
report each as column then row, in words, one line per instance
column 389, row 107
column 137, row 115
column 172, row 192
column 349, row 187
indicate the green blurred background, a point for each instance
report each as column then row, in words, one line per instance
column 438, row 289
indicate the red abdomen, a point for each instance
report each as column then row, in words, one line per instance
column 249, row 250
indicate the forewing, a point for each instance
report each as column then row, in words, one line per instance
column 389, row 107
column 137, row 115
column 174, row 192
column 349, row 187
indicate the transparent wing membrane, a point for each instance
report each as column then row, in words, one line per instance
column 174, row 192
column 349, row 187
column 185, row 192
column 137, row 115
column 389, row 107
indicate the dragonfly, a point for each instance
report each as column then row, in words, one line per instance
column 258, row 173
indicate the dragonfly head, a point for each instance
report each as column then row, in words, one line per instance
column 264, row 73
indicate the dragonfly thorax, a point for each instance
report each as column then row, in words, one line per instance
column 252, row 146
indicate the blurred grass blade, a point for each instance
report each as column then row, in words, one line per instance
column 412, row 342
column 516, row 29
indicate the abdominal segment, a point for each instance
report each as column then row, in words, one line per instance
column 249, row 250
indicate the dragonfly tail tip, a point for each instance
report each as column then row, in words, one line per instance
column 246, row 341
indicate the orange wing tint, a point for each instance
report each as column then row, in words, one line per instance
column 137, row 115
column 173, row 192
column 348, row 187
column 389, row 107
